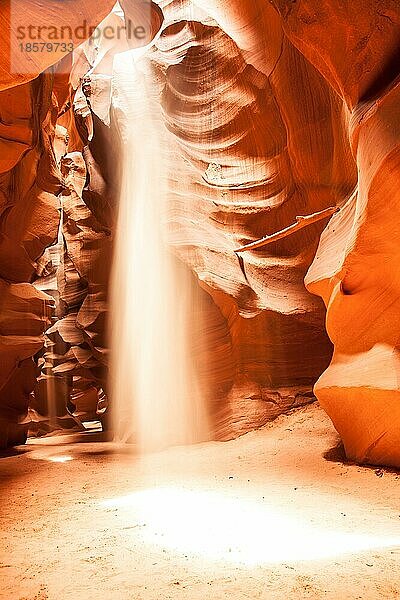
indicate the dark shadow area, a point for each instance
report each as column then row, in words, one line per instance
column 16, row 451
column 337, row 454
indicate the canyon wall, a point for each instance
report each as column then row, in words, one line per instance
column 356, row 268
column 29, row 185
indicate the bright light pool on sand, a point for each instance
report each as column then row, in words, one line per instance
column 220, row 526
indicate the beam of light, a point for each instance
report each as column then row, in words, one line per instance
column 47, row 452
column 219, row 526
column 155, row 395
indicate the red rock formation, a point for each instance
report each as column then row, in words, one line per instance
column 356, row 266
column 29, row 218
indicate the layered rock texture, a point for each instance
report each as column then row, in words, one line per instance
column 29, row 222
column 265, row 112
column 355, row 270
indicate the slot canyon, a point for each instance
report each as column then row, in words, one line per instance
column 199, row 299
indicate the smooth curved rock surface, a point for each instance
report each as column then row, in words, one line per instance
column 355, row 269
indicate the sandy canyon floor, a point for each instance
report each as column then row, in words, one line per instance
column 272, row 515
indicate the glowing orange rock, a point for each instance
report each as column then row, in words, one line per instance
column 356, row 267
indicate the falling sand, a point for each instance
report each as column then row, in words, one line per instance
column 155, row 396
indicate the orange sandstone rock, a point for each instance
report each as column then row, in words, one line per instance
column 356, row 267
